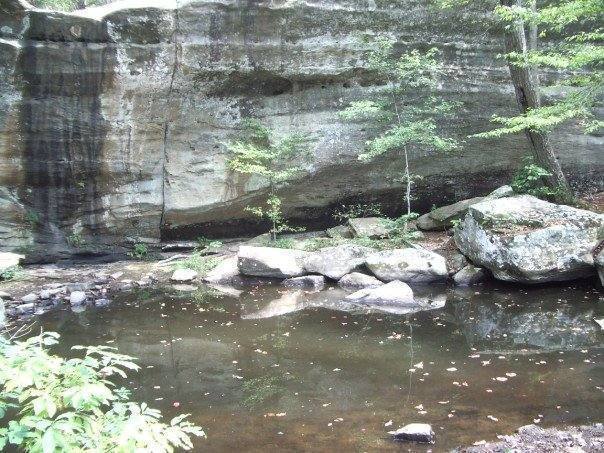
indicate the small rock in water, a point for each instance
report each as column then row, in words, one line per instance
column 183, row 275
column 25, row 308
column 414, row 432
column 306, row 281
column 77, row 297
column 101, row 302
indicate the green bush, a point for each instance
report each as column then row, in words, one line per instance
column 11, row 273
column 139, row 252
column 353, row 211
column 199, row 263
column 530, row 179
column 52, row 404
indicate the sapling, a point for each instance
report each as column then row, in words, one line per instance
column 261, row 153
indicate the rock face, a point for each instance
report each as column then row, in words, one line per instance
column 408, row 265
column 271, row 262
column 524, row 239
column 113, row 120
column 335, row 262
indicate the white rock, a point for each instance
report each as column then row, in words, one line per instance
column 8, row 259
column 183, row 275
column 28, row 298
column 271, row 262
column 408, row 265
column 335, row 262
column 226, row 271
column 414, row 432
column 77, row 297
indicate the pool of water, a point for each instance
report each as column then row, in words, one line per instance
column 275, row 369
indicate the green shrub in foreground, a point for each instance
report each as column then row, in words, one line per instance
column 51, row 404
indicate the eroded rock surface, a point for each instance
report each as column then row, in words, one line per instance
column 113, row 120
column 524, row 239
column 335, row 262
column 409, row 265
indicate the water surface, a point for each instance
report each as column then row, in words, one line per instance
column 283, row 370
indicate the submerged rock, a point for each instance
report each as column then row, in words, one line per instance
column 183, row 275
column 444, row 217
column 393, row 293
column 409, row 265
column 358, row 280
column 414, row 432
column 528, row 240
column 335, row 262
column 271, row 262
column 369, row 227
column 469, row 275
column 307, row 281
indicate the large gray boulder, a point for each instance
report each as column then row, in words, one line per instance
column 469, row 275
column 335, row 262
column 444, row 217
column 528, row 240
column 393, row 293
column 271, row 262
column 411, row 265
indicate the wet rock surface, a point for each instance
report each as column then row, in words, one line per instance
column 532, row 438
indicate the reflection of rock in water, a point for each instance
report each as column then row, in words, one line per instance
column 496, row 327
column 333, row 299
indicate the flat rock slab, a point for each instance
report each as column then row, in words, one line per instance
column 414, row 432
column 527, row 240
column 335, row 262
column 271, row 262
column 226, row 271
column 369, row 227
column 409, row 265
column 183, row 275
column 8, row 259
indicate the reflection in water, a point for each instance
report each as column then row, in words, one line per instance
column 298, row 371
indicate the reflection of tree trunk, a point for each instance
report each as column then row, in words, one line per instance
column 526, row 85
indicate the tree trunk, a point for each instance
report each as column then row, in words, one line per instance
column 526, row 85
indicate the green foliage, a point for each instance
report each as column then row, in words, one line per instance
column 408, row 111
column 52, row 404
column 576, row 55
column 76, row 240
column 530, row 179
column 11, row 273
column 140, row 251
column 259, row 152
column 67, row 5
column 399, row 231
column 199, row 263
column 346, row 212
column 204, row 243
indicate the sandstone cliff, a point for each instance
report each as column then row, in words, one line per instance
column 113, row 119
